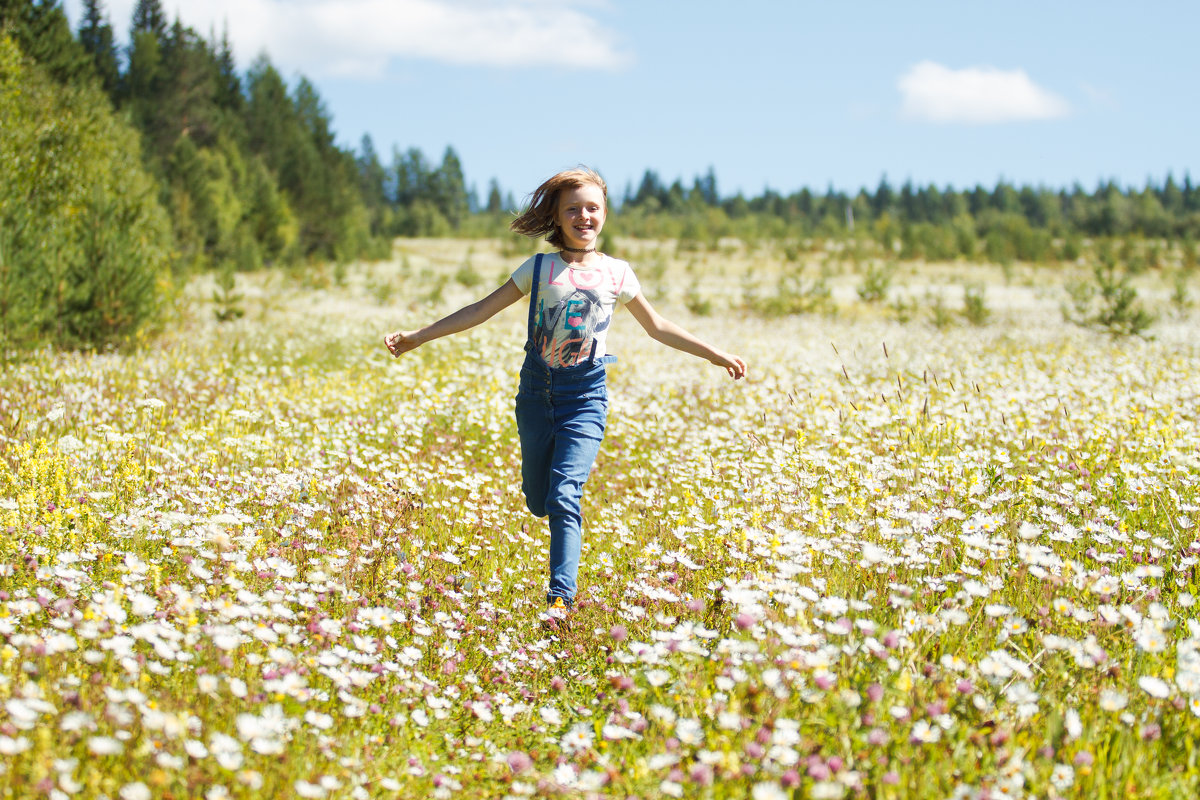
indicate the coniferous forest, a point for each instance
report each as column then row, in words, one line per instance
column 127, row 170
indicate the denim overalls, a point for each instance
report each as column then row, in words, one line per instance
column 561, row 414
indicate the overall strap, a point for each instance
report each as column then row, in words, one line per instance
column 533, row 293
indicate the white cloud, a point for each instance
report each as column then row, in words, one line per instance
column 975, row 95
column 358, row 38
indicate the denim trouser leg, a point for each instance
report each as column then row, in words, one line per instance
column 561, row 418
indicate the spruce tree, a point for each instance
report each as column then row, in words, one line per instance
column 96, row 36
column 149, row 17
column 449, row 189
column 495, row 203
column 187, row 107
column 42, row 32
column 412, row 176
column 372, row 175
column 228, row 89
column 883, row 199
column 144, row 82
column 1172, row 197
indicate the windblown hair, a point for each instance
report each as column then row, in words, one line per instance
column 538, row 218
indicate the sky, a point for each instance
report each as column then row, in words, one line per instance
column 770, row 95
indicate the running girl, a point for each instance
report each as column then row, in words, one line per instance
column 562, row 404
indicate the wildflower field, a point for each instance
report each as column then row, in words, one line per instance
column 262, row 558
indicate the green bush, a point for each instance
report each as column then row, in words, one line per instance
column 697, row 302
column 876, row 282
column 939, row 313
column 1109, row 301
column 1120, row 312
column 467, row 274
column 85, row 248
column 975, row 309
column 794, row 295
column 227, row 301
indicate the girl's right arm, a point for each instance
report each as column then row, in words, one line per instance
column 670, row 334
column 400, row 342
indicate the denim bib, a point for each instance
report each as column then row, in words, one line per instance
column 535, row 356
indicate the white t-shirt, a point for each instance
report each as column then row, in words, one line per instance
column 575, row 305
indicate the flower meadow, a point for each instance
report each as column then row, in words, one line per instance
column 264, row 559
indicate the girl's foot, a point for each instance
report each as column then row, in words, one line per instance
column 557, row 609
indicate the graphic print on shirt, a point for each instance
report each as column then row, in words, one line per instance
column 579, row 316
column 571, row 308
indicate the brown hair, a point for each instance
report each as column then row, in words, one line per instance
column 538, row 218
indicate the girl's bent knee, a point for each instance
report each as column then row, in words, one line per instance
column 563, row 506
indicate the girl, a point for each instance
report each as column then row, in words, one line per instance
column 562, row 404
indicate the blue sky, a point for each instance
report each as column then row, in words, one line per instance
column 769, row 94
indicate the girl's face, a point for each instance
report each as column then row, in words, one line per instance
column 580, row 215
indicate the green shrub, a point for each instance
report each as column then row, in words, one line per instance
column 1180, row 296
column 939, row 313
column 1189, row 256
column 1072, row 248
column 904, row 308
column 1109, row 301
column 697, row 302
column 467, row 275
column 1119, row 310
column 876, row 282
column 975, row 309
column 85, row 248
column 794, row 295
column 227, row 301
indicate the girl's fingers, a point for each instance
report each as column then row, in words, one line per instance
column 392, row 342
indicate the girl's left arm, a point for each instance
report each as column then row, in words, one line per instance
column 670, row 334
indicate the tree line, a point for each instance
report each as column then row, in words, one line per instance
column 1002, row 223
column 127, row 169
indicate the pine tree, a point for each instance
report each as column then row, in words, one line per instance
column 412, row 176
column 96, row 36
column 149, row 17
column 650, row 190
column 1172, row 197
column 706, row 188
column 1005, row 199
column 228, row 88
column 313, row 116
column 884, row 198
column 143, row 85
column 372, row 183
column 268, row 113
column 495, row 203
column 187, row 106
column 372, row 175
column 449, row 189
column 42, row 32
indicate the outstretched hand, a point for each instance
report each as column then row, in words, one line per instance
column 734, row 365
column 400, row 342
